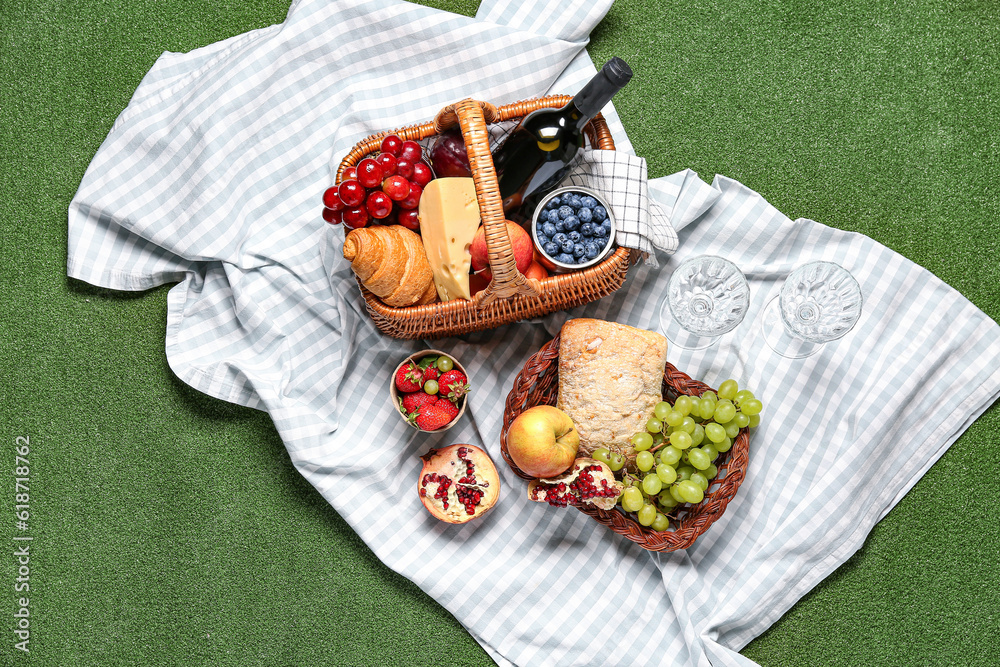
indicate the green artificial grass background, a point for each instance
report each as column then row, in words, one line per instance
column 170, row 527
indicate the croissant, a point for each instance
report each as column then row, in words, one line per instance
column 390, row 261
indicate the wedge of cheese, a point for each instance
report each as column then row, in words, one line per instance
column 449, row 218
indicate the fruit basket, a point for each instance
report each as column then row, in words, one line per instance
column 510, row 296
column 538, row 384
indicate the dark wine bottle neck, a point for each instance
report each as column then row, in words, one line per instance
column 599, row 91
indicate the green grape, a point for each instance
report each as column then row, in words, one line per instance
column 724, row 411
column 715, row 432
column 666, row 500
column 661, row 410
column 631, row 499
column 684, row 405
column 706, row 408
column 644, row 461
column 651, row 484
column 445, row 364
column 752, row 407
column 754, row 421
column 711, row 450
column 647, row 514
column 710, row 395
column 602, row 454
column 685, row 472
column 724, row 446
column 698, row 436
column 660, row 523
column 742, row 396
column 666, row 473
column 431, row 387
column 699, row 458
column 688, row 425
column 680, row 439
column 741, row 419
column 701, row 480
column 732, row 429
column 642, row 441
column 673, row 418
column 710, row 472
column 654, row 425
column 616, row 461
column 690, row 492
column 676, row 494
column 670, row 455
column 728, row 389
column 658, row 438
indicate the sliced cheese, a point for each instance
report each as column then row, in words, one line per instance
column 449, row 218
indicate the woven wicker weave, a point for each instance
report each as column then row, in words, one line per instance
column 510, row 296
column 538, row 384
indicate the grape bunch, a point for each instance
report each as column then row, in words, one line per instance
column 385, row 188
column 675, row 455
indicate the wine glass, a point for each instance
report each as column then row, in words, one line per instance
column 707, row 296
column 819, row 302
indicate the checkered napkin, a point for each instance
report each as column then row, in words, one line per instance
column 620, row 177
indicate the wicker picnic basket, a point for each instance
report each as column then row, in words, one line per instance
column 538, row 384
column 510, row 296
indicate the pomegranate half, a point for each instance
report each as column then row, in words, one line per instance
column 587, row 482
column 458, row 483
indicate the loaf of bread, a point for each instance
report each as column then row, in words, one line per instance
column 391, row 262
column 610, row 378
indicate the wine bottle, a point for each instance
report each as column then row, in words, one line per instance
column 545, row 145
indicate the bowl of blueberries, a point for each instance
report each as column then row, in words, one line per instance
column 573, row 228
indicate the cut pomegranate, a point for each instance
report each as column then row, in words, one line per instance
column 458, row 483
column 588, row 482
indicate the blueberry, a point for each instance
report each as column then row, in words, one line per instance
column 559, row 238
column 603, row 230
column 587, row 229
column 593, row 249
column 565, row 258
column 600, row 214
column 551, row 248
column 548, row 228
column 560, row 226
column 543, row 239
column 554, row 202
column 579, row 250
column 575, row 236
column 565, row 212
column 588, row 201
column 585, row 214
column 567, row 246
column 571, row 223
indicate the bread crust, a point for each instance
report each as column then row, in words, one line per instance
column 610, row 378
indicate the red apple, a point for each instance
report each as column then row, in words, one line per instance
column 536, row 271
column 520, row 242
column 543, row 441
column 477, row 283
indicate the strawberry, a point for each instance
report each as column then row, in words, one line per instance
column 431, row 373
column 416, row 400
column 453, row 385
column 409, row 378
column 448, row 406
column 434, row 416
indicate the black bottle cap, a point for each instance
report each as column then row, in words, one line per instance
column 618, row 71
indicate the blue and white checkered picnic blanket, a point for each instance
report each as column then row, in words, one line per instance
column 211, row 178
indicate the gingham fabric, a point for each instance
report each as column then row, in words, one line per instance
column 212, row 178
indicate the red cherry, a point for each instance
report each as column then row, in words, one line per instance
column 411, row 151
column 351, row 193
column 397, row 187
column 355, row 218
column 409, row 219
column 387, row 161
column 378, row 204
column 392, row 144
column 349, row 174
column 333, row 217
column 404, row 168
column 369, row 173
column 331, row 199
column 422, row 174
column 413, row 199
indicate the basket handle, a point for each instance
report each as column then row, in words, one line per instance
column 472, row 116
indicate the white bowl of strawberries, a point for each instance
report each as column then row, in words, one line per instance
column 429, row 390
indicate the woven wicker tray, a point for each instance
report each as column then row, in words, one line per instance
column 510, row 297
column 538, row 384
